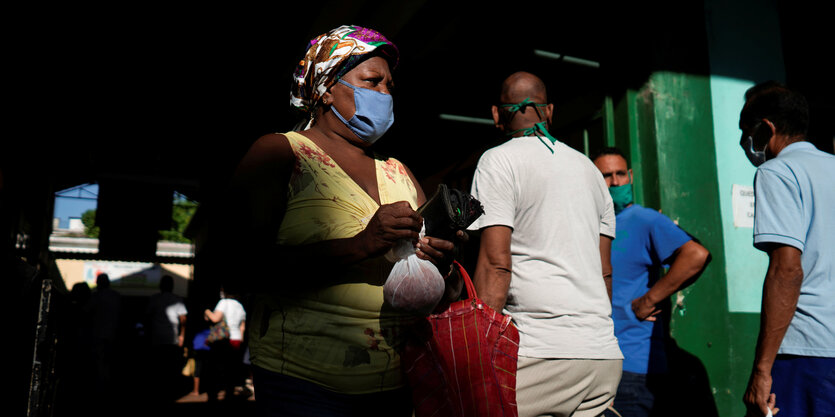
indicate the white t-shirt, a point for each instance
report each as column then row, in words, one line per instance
column 558, row 205
column 234, row 313
column 165, row 309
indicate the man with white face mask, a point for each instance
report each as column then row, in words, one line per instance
column 794, row 222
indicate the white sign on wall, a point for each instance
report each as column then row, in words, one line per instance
column 743, row 205
column 114, row 270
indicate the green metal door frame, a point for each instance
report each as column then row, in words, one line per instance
column 666, row 130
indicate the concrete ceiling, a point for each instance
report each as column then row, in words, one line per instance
column 176, row 94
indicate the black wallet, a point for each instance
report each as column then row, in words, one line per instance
column 448, row 211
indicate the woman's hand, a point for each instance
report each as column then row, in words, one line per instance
column 442, row 253
column 390, row 223
column 439, row 251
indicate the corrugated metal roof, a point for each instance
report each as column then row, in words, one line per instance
column 66, row 244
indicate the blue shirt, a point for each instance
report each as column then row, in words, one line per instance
column 795, row 206
column 645, row 239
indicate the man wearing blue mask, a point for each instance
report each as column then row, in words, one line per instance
column 647, row 241
column 794, row 222
column 547, row 227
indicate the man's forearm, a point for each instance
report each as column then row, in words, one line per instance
column 688, row 262
column 606, row 262
column 493, row 270
column 608, row 282
column 781, row 291
column 492, row 286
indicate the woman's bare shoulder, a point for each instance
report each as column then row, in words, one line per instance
column 272, row 145
column 270, row 150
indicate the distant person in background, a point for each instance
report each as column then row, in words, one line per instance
column 76, row 358
column 199, row 352
column 106, row 307
column 647, row 241
column 166, row 315
column 81, row 320
column 226, row 356
column 794, row 222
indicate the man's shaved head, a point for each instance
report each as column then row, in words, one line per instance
column 521, row 85
column 515, row 89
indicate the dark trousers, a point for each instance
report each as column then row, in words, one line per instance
column 279, row 395
column 804, row 386
column 224, row 369
column 634, row 397
column 166, row 367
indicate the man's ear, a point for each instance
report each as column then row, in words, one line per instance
column 549, row 113
column 764, row 133
column 770, row 126
column 497, row 118
column 631, row 178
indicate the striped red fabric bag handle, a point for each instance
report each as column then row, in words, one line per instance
column 467, row 280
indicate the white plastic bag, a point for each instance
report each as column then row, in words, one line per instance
column 414, row 285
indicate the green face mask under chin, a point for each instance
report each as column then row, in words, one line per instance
column 539, row 129
column 621, row 196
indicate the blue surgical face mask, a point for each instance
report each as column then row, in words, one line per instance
column 756, row 157
column 374, row 113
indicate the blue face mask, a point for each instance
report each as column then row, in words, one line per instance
column 756, row 157
column 374, row 113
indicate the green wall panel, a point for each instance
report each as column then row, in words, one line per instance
column 747, row 266
column 667, row 130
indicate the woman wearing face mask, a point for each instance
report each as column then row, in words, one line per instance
column 325, row 210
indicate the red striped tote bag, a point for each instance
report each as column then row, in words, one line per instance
column 462, row 362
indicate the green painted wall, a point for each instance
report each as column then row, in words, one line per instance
column 675, row 115
column 747, row 269
column 689, row 191
column 667, row 129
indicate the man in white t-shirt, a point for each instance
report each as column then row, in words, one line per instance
column 546, row 235
column 166, row 314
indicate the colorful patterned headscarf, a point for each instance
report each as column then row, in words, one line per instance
column 330, row 56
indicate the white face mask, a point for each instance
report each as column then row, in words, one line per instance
column 756, row 157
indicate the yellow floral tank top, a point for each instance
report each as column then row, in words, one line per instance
column 340, row 337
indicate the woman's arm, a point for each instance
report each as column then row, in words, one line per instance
column 246, row 215
column 213, row 316
column 258, row 198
